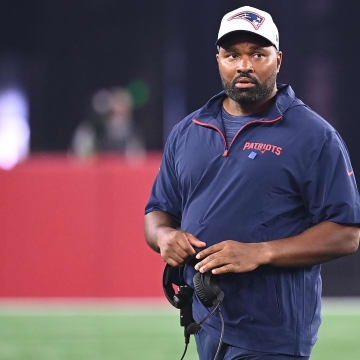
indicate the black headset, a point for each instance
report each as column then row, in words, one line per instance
column 206, row 288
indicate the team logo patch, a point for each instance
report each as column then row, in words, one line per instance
column 263, row 147
column 253, row 18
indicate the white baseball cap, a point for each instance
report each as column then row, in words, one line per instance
column 250, row 19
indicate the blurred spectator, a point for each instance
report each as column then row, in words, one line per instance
column 109, row 127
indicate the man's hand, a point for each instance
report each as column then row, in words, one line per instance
column 231, row 256
column 176, row 245
column 162, row 235
column 316, row 245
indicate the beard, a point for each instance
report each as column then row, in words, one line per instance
column 249, row 96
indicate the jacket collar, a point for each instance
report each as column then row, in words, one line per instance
column 284, row 98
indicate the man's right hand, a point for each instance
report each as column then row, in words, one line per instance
column 162, row 235
column 176, row 245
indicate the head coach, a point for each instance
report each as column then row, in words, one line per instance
column 265, row 187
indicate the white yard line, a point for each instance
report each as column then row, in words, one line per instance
column 130, row 307
column 119, row 307
column 341, row 306
column 88, row 313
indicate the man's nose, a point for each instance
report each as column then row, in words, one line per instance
column 244, row 65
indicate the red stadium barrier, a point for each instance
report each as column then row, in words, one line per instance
column 75, row 228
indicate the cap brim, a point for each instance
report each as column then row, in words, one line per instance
column 232, row 33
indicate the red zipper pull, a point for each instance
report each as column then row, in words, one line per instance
column 226, row 152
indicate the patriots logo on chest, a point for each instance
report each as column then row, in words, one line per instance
column 253, row 18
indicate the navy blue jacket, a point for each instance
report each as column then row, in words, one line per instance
column 280, row 175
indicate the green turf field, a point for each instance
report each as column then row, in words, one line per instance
column 117, row 332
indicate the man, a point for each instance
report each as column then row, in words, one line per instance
column 265, row 186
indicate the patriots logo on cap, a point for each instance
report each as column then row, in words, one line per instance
column 253, row 18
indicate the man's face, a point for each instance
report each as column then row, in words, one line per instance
column 248, row 68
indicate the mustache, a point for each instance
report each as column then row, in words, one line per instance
column 244, row 75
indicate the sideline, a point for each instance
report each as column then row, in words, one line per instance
column 132, row 307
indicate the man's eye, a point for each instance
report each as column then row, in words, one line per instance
column 258, row 55
column 233, row 56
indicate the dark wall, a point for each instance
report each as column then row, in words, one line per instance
column 68, row 49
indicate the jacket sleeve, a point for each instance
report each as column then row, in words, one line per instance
column 165, row 194
column 330, row 189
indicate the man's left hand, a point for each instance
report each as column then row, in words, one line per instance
column 231, row 256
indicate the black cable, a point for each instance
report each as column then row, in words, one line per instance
column 187, row 336
column 221, row 335
column 210, row 313
column 183, row 355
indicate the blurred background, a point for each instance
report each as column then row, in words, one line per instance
column 89, row 91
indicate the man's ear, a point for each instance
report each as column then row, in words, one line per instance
column 279, row 60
